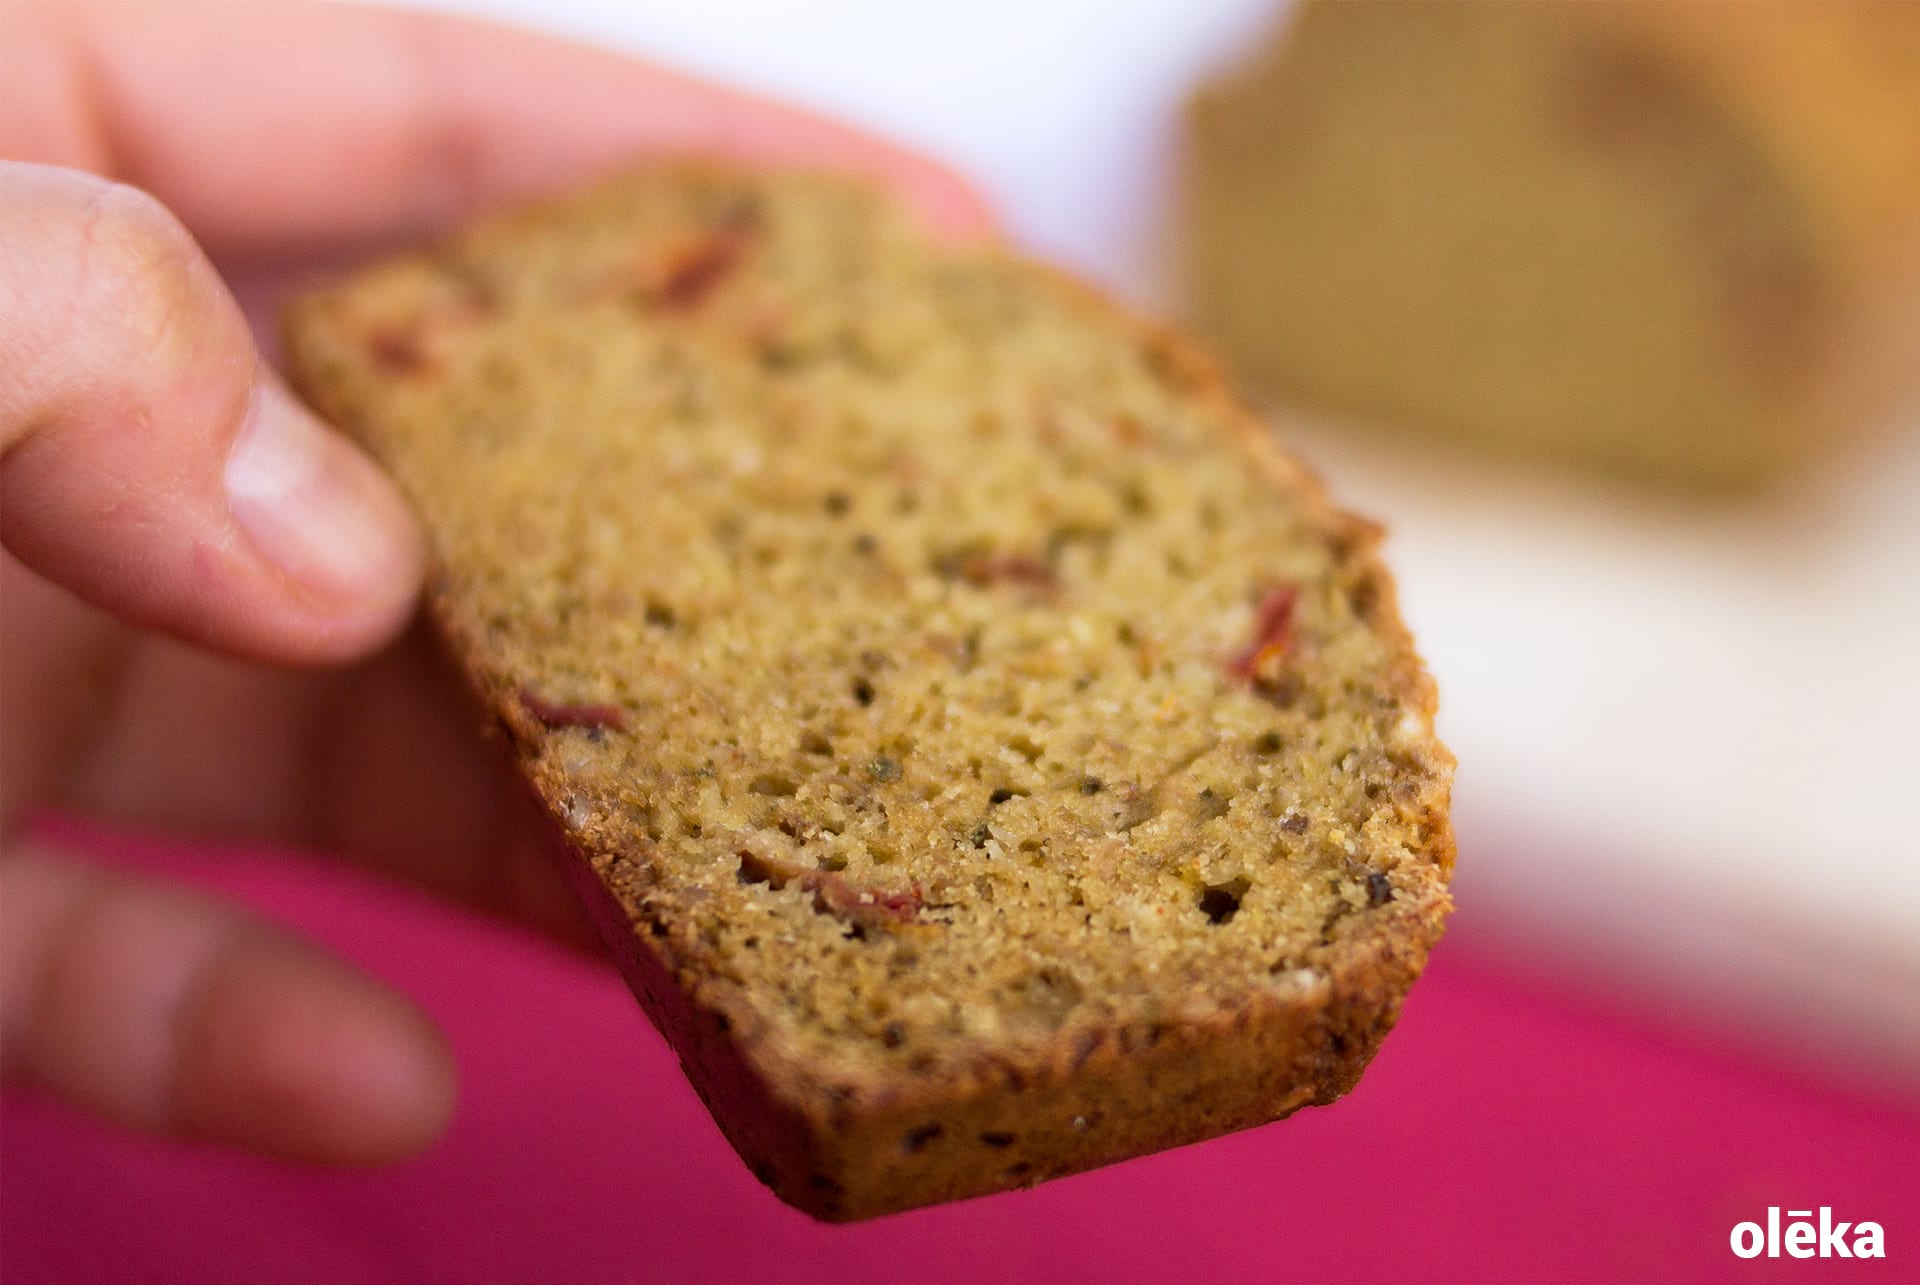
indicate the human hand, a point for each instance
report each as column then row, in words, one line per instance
column 206, row 591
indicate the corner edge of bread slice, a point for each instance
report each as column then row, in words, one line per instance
column 988, row 754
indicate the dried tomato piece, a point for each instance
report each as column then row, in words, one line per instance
column 694, row 271
column 1260, row 661
column 984, row 569
column 1010, row 567
column 398, row 350
column 558, row 714
column 862, row 907
column 833, row 893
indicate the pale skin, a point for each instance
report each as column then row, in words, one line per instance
column 207, row 595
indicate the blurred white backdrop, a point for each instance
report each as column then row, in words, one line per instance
column 1060, row 110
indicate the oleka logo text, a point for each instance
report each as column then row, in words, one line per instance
column 1803, row 1238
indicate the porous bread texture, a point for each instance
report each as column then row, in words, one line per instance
column 1672, row 241
column 992, row 756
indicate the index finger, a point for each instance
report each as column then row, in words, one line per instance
column 287, row 124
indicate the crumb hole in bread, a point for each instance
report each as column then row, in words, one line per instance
column 773, row 784
column 1282, row 692
column 1136, row 807
column 660, row 615
column 1365, row 597
column 756, row 869
column 1220, row 902
column 994, row 1138
column 776, row 357
column 862, row 691
column 1329, row 926
column 1045, row 998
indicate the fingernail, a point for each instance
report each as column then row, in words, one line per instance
column 312, row 506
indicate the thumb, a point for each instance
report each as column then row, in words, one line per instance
column 151, row 465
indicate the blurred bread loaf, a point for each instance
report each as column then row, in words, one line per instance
column 1674, row 240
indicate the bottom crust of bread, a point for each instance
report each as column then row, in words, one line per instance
column 1129, row 1093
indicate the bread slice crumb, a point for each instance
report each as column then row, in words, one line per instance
column 990, row 755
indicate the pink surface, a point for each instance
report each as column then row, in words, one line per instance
column 1502, row 1135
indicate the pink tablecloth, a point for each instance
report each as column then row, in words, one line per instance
column 1504, row 1134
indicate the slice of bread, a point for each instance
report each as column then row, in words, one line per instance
column 993, row 758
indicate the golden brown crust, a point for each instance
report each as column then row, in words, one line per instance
column 845, row 1139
